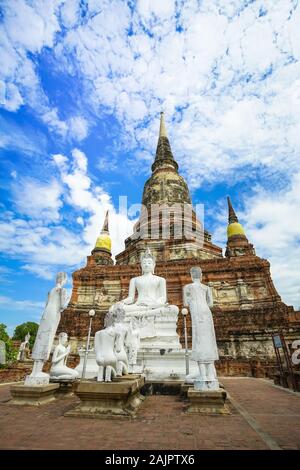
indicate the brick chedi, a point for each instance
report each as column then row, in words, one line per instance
column 247, row 308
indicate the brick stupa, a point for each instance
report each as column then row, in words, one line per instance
column 247, row 307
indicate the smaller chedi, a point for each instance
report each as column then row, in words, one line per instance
column 56, row 302
column 59, row 369
column 237, row 242
column 102, row 249
column 198, row 297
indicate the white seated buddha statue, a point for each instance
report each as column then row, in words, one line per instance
column 151, row 301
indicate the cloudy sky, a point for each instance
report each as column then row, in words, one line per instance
column 82, row 83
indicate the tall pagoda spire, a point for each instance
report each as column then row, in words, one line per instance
column 105, row 228
column 164, row 156
column 166, row 185
column 231, row 213
column 168, row 224
column 162, row 126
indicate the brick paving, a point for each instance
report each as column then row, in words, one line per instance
column 276, row 411
column 161, row 423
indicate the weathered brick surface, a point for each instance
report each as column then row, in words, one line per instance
column 15, row 372
column 163, row 423
column 276, row 410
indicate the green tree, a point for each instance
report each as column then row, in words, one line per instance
column 11, row 352
column 22, row 330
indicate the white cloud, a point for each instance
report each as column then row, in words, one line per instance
column 80, row 221
column 75, row 128
column 24, row 29
column 43, row 239
column 39, row 27
column 92, row 200
column 51, row 118
column 10, row 97
column 28, row 28
column 38, row 200
column 21, row 139
column 202, row 58
column 237, row 108
column 20, row 304
column 78, row 127
column 42, row 271
column 69, row 13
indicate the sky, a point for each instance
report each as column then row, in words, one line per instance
column 82, row 83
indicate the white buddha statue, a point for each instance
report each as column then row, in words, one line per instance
column 59, row 370
column 198, row 297
column 151, row 289
column 151, row 301
column 109, row 346
column 56, row 302
column 24, row 350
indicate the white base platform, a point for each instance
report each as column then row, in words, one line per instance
column 164, row 365
column 155, row 364
column 160, row 356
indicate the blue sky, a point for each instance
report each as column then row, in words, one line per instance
column 82, row 84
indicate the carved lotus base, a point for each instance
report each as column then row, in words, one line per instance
column 207, row 402
column 34, row 395
column 117, row 399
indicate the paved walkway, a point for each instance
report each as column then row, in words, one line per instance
column 262, row 417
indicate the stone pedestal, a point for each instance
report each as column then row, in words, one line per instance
column 66, row 387
column 203, row 385
column 117, row 399
column 162, row 365
column 35, row 395
column 184, row 389
column 34, row 381
column 210, row 402
column 163, row 329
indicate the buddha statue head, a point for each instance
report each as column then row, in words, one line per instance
column 147, row 262
column 61, row 278
column 196, row 273
column 63, row 338
column 116, row 314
